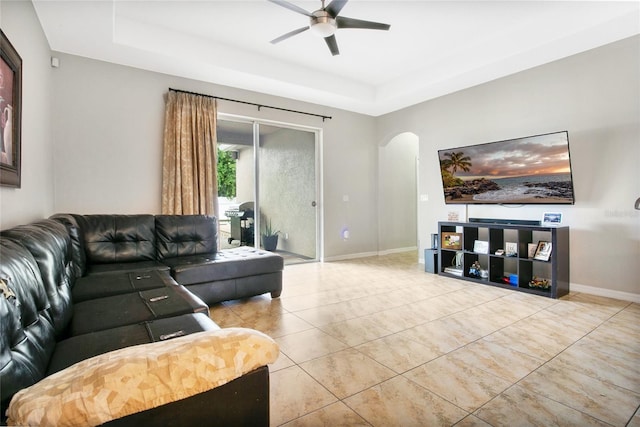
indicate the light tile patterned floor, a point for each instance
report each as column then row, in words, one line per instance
column 379, row 342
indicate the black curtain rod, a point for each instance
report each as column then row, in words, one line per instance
column 252, row 103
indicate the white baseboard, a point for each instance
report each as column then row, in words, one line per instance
column 397, row 250
column 608, row 293
column 368, row 254
column 350, row 256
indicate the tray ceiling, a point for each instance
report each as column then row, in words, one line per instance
column 433, row 47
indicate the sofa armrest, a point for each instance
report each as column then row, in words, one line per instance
column 241, row 402
column 135, row 379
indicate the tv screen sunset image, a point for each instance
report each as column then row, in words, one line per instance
column 527, row 170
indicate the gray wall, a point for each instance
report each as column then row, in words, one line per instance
column 397, row 208
column 34, row 200
column 593, row 95
column 108, row 137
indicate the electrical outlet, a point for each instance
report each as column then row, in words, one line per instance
column 286, row 236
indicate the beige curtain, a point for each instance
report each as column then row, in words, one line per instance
column 189, row 182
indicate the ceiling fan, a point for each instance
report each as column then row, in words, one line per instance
column 325, row 22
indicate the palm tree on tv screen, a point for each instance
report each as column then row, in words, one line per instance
column 456, row 161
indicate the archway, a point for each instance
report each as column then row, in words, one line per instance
column 398, row 194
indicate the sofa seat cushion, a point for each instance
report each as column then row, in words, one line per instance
column 81, row 347
column 226, row 264
column 134, row 379
column 106, row 285
column 128, row 309
column 120, row 267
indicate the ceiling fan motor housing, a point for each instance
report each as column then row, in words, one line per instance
column 323, row 24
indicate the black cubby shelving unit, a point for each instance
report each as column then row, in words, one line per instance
column 502, row 269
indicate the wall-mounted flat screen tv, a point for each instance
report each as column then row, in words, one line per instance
column 529, row 170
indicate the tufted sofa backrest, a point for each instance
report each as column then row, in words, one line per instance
column 119, row 238
column 103, row 239
column 49, row 243
column 27, row 336
column 184, row 235
column 78, row 255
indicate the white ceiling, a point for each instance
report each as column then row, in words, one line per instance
column 433, row 47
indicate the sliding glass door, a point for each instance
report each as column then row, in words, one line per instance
column 287, row 188
column 276, row 170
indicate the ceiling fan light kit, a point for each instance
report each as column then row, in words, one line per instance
column 323, row 24
column 325, row 21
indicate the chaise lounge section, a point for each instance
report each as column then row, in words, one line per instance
column 186, row 245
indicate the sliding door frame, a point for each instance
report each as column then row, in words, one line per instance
column 318, row 136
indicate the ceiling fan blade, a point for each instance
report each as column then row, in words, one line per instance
column 333, row 45
column 344, row 22
column 292, row 7
column 335, row 7
column 289, row 34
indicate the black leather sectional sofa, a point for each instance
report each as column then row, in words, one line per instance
column 76, row 286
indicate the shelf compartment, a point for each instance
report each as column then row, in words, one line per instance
column 496, row 239
column 469, row 259
column 511, row 236
column 511, row 268
column 524, row 238
column 496, row 269
column 469, row 237
column 500, row 268
column 446, row 258
column 525, row 273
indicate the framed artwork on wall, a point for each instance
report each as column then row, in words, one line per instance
column 10, row 113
